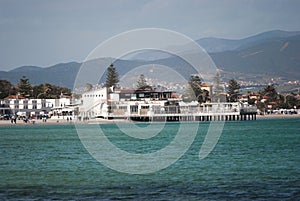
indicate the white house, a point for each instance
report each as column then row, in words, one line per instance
column 94, row 104
column 33, row 107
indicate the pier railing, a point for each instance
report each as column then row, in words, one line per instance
column 212, row 109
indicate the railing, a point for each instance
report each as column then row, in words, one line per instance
column 176, row 111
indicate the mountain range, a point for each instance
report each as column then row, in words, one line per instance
column 269, row 54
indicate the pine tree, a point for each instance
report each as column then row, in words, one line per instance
column 142, row 83
column 194, row 92
column 233, row 90
column 112, row 77
column 24, row 87
column 217, row 88
column 271, row 92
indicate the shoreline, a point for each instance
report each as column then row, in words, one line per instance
column 105, row 121
column 278, row 116
column 58, row 122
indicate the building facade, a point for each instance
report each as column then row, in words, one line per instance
column 147, row 105
column 34, row 107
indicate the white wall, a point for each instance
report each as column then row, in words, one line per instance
column 94, row 103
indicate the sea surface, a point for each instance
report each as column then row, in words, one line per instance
column 253, row 160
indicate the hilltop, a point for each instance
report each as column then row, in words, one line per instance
column 273, row 55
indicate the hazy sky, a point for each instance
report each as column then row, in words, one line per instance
column 43, row 33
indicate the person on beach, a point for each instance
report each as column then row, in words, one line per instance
column 13, row 120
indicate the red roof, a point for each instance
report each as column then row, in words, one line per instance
column 15, row 97
column 205, row 84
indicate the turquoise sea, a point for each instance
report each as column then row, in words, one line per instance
column 253, row 160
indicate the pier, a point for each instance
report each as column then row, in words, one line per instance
column 148, row 106
column 205, row 112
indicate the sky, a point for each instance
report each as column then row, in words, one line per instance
column 47, row 32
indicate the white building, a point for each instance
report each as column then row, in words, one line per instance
column 94, row 104
column 146, row 105
column 33, row 107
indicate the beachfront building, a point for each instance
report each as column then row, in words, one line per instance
column 120, row 103
column 22, row 106
column 151, row 105
column 93, row 104
column 64, row 108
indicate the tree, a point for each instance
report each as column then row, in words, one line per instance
column 6, row 89
column 233, row 90
column 193, row 92
column 24, row 87
column 88, row 86
column 217, row 88
column 142, row 83
column 271, row 92
column 288, row 101
column 205, row 96
column 112, row 77
column 195, row 84
column 46, row 91
column 49, row 91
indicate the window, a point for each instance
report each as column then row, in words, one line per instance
column 34, row 104
column 133, row 108
column 123, row 107
column 43, row 103
column 25, row 104
column 16, row 104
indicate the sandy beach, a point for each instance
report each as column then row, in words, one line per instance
column 59, row 122
column 36, row 122
column 105, row 121
column 278, row 116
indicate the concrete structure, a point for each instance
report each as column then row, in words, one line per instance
column 94, row 104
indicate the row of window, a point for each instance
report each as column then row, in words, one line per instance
column 93, row 95
column 25, row 106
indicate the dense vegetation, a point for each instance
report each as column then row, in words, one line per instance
column 269, row 96
column 194, row 91
column 26, row 90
